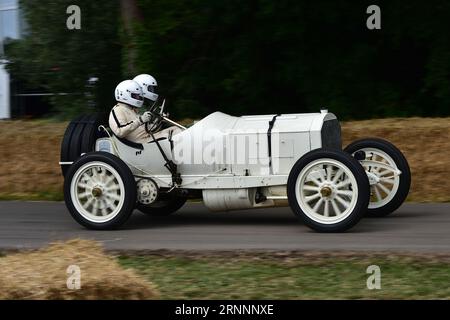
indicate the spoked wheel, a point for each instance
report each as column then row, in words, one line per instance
column 100, row 191
column 328, row 190
column 388, row 172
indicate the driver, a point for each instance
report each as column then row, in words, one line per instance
column 124, row 119
column 148, row 84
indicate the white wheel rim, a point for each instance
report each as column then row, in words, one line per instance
column 326, row 175
column 97, row 192
column 384, row 191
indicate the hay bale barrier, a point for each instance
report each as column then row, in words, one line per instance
column 44, row 274
column 30, row 150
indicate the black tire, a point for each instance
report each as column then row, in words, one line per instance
column 164, row 206
column 90, row 134
column 362, row 183
column 66, row 143
column 129, row 184
column 79, row 138
column 401, row 163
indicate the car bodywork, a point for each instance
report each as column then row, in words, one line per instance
column 249, row 152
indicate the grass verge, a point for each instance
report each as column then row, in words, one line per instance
column 33, row 196
column 292, row 276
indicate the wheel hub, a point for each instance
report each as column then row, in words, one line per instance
column 373, row 178
column 326, row 192
column 97, row 192
column 147, row 191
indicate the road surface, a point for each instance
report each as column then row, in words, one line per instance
column 414, row 227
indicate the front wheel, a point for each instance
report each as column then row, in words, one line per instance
column 389, row 172
column 100, row 191
column 328, row 190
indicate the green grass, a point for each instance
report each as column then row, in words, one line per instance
column 261, row 276
column 36, row 196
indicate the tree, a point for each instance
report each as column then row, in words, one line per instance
column 264, row 56
column 60, row 60
column 130, row 15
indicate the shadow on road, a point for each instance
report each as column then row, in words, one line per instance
column 280, row 217
column 142, row 221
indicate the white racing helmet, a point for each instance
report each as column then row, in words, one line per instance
column 130, row 92
column 148, row 85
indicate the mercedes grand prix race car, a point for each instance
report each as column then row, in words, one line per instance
column 233, row 163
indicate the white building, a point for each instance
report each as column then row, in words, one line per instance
column 5, row 107
column 10, row 27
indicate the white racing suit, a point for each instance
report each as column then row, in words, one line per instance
column 124, row 121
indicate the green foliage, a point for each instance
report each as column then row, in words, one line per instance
column 247, row 57
column 59, row 60
column 263, row 56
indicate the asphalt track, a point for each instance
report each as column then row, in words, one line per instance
column 414, row 227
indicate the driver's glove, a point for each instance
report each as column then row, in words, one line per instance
column 146, row 117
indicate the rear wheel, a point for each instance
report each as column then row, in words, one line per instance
column 328, row 190
column 389, row 173
column 164, row 206
column 100, row 191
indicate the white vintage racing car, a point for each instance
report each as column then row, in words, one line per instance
column 233, row 163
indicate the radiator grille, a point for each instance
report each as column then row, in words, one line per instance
column 331, row 135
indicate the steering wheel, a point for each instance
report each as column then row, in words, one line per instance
column 157, row 118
